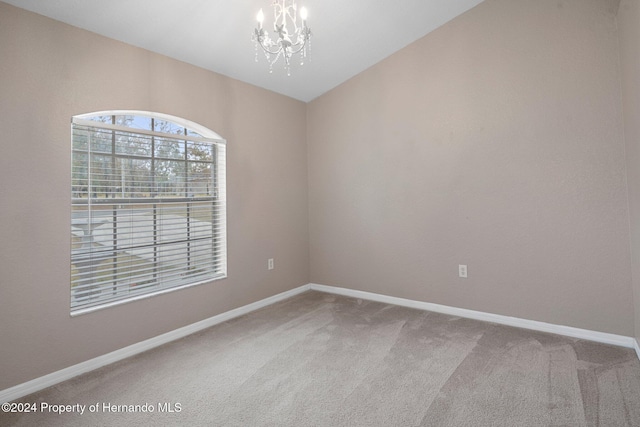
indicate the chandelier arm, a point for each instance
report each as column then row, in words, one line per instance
column 299, row 46
column 272, row 52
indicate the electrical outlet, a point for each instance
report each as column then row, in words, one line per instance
column 462, row 271
column 270, row 264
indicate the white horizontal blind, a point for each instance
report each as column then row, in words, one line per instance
column 148, row 209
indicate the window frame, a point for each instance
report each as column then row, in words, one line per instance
column 215, row 233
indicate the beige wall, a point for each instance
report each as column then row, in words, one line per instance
column 629, row 35
column 49, row 72
column 495, row 141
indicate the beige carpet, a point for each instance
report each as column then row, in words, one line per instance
column 324, row 360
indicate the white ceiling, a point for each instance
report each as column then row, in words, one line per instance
column 348, row 37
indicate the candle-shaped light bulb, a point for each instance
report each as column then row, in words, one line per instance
column 303, row 14
column 260, row 17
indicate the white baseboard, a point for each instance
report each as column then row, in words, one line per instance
column 601, row 337
column 45, row 381
column 54, row 378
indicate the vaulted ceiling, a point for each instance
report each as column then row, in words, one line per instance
column 348, row 36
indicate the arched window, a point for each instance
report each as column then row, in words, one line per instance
column 148, row 207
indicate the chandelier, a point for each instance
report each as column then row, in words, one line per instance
column 291, row 38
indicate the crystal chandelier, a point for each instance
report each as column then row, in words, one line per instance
column 288, row 43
